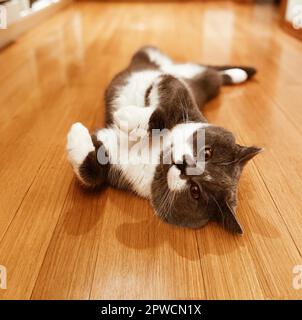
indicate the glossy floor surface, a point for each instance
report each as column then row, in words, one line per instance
column 58, row 241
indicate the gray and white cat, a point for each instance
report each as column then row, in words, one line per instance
column 154, row 92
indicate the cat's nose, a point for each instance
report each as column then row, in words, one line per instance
column 187, row 160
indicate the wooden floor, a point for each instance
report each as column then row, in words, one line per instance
column 58, row 241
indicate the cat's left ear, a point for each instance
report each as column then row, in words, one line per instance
column 247, row 153
column 229, row 220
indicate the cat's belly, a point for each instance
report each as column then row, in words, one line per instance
column 133, row 93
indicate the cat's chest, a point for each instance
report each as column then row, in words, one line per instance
column 140, row 177
column 133, row 92
column 140, row 165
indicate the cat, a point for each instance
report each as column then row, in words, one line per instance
column 154, row 92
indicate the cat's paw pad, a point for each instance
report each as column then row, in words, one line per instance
column 79, row 144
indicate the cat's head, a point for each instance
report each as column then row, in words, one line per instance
column 191, row 200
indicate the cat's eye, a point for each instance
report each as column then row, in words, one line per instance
column 207, row 153
column 195, row 191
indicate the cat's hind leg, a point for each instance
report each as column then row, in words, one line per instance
column 206, row 85
column 167, row 65
column 235, row 74
column 82, row 150
column 149, row 56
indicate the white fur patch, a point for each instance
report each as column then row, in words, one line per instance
column 185, row 70
column 237, row 75
column 140, row 176
column 158, row 57
column 123, row 157
column 136, row 115
column 153, row 96
column 189, row 128
column 133, row 93
column 132, row 116
column 175, row 183
column 109, row 138
column 139, row 173
column 79, row 144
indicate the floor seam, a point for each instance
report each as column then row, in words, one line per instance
column 199, row 256
column 97, row 255
column 21, row 202
column 275, row 204
column 46, row 251
column 297, row 128
column 278, row 210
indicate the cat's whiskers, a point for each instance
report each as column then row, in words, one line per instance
column 185, row 107
column 162, row 204
column 172, row 200
column 169, row 202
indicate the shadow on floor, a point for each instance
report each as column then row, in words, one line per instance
column 191, row 244
column 136, row 226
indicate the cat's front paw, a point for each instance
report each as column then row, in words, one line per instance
column 79, row 144
column 132, row 117
column 127, row 117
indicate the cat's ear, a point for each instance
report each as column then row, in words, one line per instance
column 228, row 219
column 247, row 153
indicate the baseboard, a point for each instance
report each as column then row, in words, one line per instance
column 29, row 21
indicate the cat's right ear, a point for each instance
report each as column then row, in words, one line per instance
column 247, row 153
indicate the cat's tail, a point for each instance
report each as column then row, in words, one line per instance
column 235, row 74
column 83, row 150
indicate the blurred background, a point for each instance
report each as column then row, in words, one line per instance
column 18, row 16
